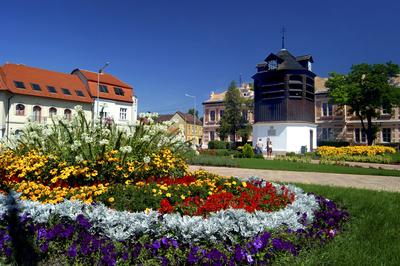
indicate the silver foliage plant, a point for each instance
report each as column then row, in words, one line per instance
column 83, row 139
column 233, row 224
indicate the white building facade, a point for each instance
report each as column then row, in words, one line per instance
column 33, row 94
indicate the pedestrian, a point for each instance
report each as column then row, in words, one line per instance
column 269, row 148
column 259, row 146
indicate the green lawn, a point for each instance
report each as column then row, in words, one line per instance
column 287, row 166
column 372, row 236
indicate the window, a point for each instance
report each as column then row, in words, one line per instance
column 221, row 113
column 327, row 133
column 19, row 84
column 67, row 114
column 359, row 135
column 52, row 112
column 273, row 64
column 326, row 109
column 212, row 115
column 103, row 88
column 79, row 93
column 37, row 112
column 66, row 91
column 35, row 87
column 51, row 89
column 212, row 135
column 386, row 110
column 122, row 113
column 20, row 109
column 118, row 91
column 386, row 134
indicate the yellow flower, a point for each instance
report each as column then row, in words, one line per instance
column 111, row 199
column 244, row 184
column 183, row 197
column 147, row 211
column 154, row 190
column 168, row 195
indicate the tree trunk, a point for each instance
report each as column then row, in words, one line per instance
column 370, row 137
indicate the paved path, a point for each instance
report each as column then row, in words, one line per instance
column 387, row 183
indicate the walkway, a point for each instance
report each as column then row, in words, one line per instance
column 386, row 183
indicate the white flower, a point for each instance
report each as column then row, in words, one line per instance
column 78, row 108
column 104, row 142
column 142, row 115
column 78, row 158
column 146, row 159
column 126, row 149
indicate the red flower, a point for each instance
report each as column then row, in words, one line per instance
column 166, row 207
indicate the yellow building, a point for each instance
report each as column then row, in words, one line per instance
column 184, row 122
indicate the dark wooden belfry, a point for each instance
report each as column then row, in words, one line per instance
column 284, row 89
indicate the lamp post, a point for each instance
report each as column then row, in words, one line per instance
column 194, row 115
column 98, row 85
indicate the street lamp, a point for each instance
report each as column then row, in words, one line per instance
column 194, row 115
column 98, row 85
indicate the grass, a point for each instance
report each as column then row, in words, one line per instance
column 287, row 166
column 371, row 237
column 395, row 157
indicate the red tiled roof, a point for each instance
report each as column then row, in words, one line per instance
column 44, row 78
column 111, row 82
column 105, row 78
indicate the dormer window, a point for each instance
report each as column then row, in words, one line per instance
column 118, row 91
column 66, row 91
column 103, row 89
column 309, row 66
column 273, row 64
column 19, row 84
column 51, row 89
column 35, row 87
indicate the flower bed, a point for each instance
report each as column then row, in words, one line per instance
column 72, row 232
column 90, row 193
column 354, row 150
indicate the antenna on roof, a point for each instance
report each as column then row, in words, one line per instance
column 283, row 37
column 240, row 80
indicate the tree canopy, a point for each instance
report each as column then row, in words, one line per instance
column 233, row 121
column 366, row 89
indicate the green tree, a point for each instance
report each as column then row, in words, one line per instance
column 366, row 89
column 232, row 121
column 191, row 111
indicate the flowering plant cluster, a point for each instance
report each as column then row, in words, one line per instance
column 76, row 241
column 99, row 145
column 354, row 150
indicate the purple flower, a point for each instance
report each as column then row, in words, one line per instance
column 41, row 233
column 174, row 243
column 83, row 221
column 240, row 253
column 156, row 245
column 125, row 256
column 44, row 247
column 165, row 242
column 72, row 251
column 8, row 252
column 257, row 244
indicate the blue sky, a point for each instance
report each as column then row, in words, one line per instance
column 165, row 49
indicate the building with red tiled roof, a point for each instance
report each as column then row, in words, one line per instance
column 112, row 97
column 30, row 93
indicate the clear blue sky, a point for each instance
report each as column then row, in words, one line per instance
column 167, row 48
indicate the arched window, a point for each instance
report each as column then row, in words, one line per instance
column 52, row 112
column 20, row 109
column 37, row 113
column 67, row 114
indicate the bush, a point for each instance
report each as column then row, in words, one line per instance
column 333, row 143
column 213, row 160
column 248, row 151
column 217, row 144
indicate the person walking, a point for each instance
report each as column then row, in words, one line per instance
column 259, row 146
column 269, row 148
